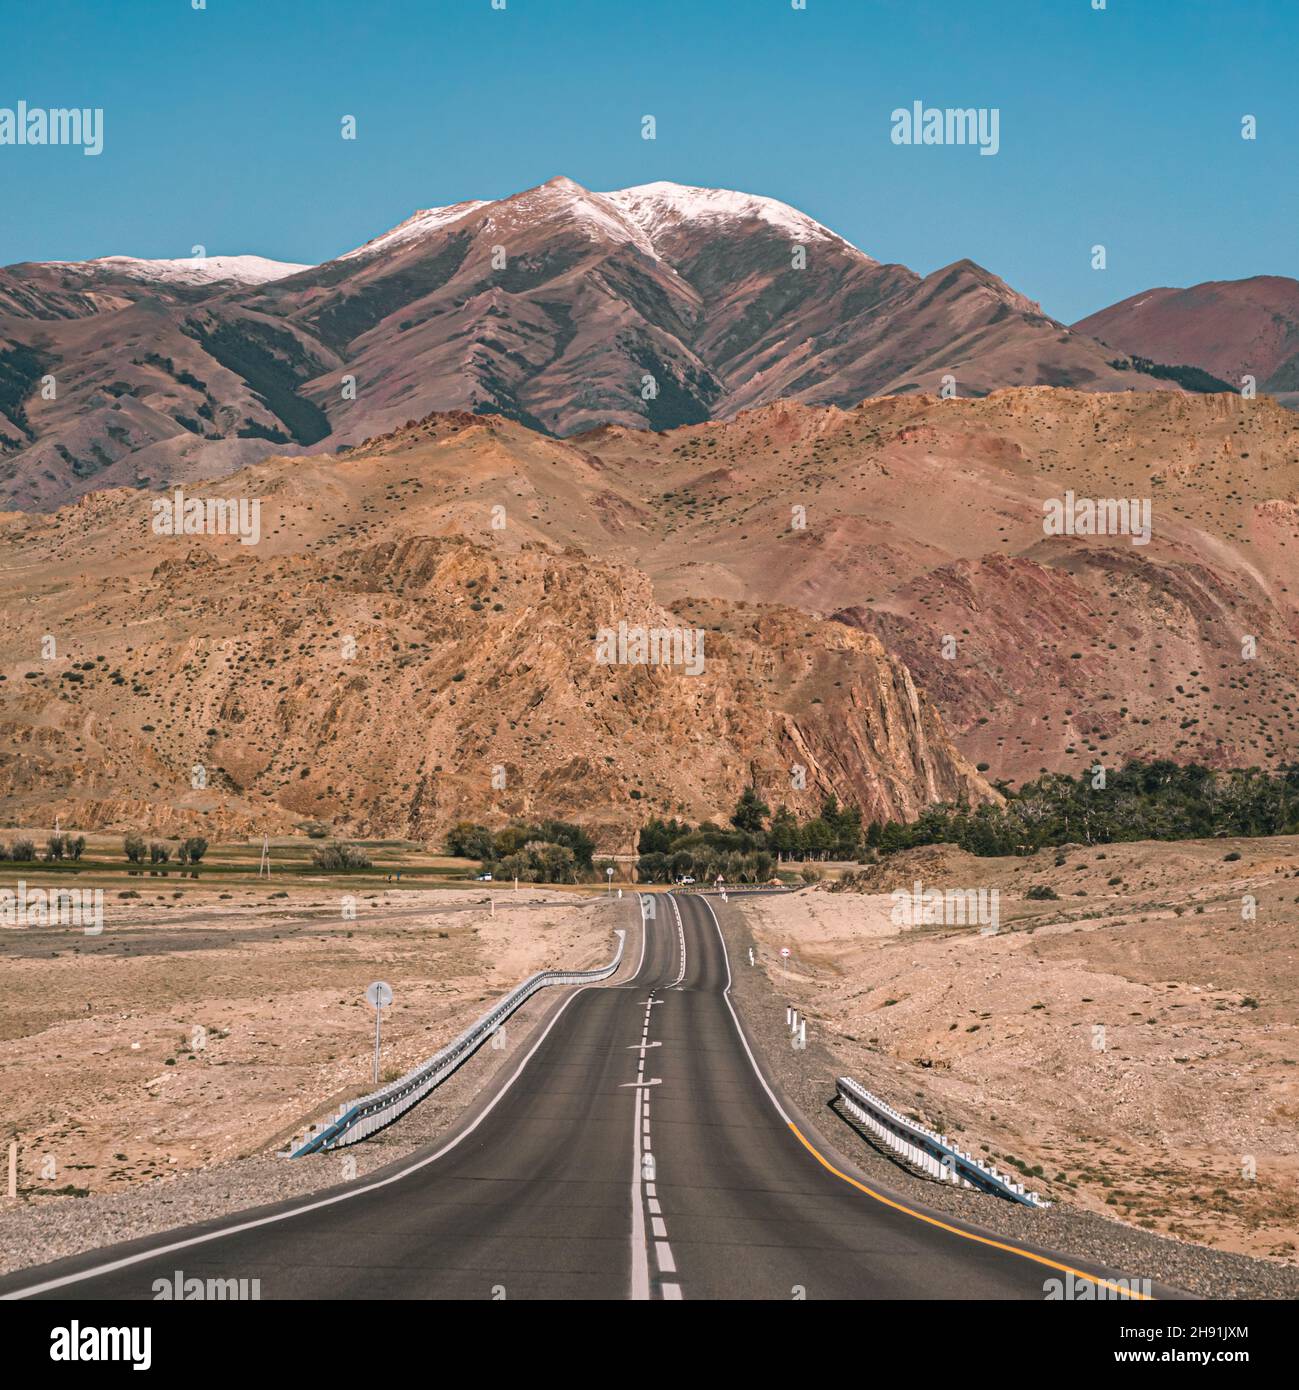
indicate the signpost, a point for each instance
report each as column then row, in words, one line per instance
column 609, row 875
column 380, row 995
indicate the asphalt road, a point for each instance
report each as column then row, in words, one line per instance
column 636, row 1151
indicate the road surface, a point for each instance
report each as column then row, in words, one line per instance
column 635, row 1151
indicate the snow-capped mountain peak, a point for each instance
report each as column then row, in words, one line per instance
column 563, row 199
column 661, row 207
column 639, row 216
column 193, row 270
column 418, row 225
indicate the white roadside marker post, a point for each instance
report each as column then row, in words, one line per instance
column 380, row 995
column 13, row 1168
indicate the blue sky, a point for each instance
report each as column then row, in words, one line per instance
column 1120, row 126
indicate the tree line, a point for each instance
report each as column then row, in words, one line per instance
column 1156, row 800
column 749, row 849
column 1143, row 800
column 188, row 851
column 550, row 851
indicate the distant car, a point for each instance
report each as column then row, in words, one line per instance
column 687, row 879
column 483, row 878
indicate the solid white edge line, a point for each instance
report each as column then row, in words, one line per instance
column 726, row 994
column 143, row 1255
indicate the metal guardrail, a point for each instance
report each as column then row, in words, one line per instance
column 930, row 1152
column 361, row 1118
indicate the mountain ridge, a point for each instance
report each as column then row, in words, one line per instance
column 1228, row 328
column 651, row 307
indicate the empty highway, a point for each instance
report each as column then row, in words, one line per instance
column 635, row 1150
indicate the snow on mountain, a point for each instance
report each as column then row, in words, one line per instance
column 414, row 227
column 661, row 207
column 564, row 201
column 638, row 216
column 191, row 270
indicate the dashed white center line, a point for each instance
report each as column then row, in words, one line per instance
column 644, row 1189
column 639, row 1261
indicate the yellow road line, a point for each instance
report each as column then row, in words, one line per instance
column 966, row 1235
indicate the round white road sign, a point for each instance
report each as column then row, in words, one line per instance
column 379, row 994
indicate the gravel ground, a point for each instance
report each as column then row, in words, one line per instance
column 34, row 1233
column 808, row 1078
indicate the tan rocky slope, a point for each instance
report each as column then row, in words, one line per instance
column 473, row 546
column 356, row 668
column 922, row 519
